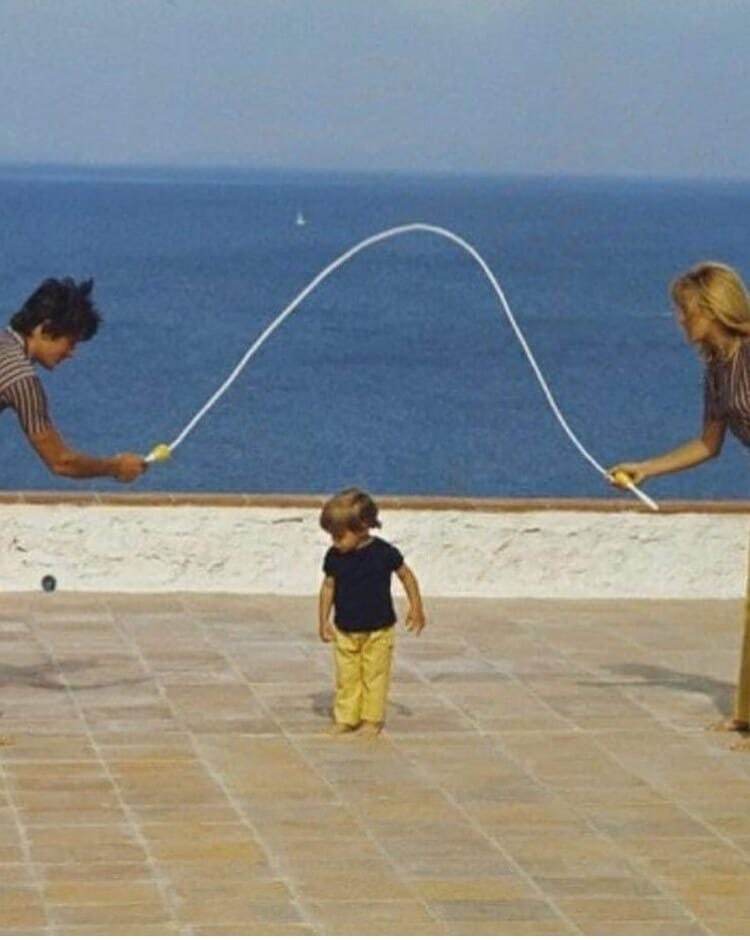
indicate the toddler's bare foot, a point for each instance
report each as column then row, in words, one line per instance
column 371, row 728
column 339, row 727
column 6, row 742
column 742, row 745
column 729, row 724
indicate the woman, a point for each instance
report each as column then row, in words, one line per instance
column 713, row 309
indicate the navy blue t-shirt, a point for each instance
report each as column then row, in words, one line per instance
column 362, row 585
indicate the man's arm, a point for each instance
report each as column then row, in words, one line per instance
column 415, row 618
column 325, row 605
column 64, row 461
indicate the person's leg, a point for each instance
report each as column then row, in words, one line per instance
column 741, row 719
column 347, row 705
column 377, row 656
column 742, row 695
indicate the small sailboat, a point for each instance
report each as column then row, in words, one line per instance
column 301, row 220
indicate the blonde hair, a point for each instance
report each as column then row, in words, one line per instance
column 718, row 292
column 351, row 510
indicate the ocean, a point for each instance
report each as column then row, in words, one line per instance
column 399, row 373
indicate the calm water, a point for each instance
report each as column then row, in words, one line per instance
column 399, row 373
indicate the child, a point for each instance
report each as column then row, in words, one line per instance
column 357, row 584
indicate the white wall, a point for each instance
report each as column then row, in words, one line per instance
column 261, row 549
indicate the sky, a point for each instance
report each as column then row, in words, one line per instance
column 647, row 88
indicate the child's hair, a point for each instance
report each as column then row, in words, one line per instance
column 351, row 510
column 719, row 293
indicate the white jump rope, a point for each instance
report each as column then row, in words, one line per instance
column 164, row 451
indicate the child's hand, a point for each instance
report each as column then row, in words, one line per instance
column 415, row 620
column 326, row 632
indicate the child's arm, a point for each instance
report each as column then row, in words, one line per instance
column 415, row 618
column 325, row 604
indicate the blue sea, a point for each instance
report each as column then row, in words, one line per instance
column 400, row 372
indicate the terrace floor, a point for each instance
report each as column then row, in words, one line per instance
column 545, row 769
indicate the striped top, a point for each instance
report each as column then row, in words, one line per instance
column 726, row 392
column 20, row 388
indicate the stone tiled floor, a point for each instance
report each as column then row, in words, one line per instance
column 545, row 769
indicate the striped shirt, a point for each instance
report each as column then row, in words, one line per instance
column 20, row 388
column 726, row 392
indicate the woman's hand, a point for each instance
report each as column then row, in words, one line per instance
column 622, row 473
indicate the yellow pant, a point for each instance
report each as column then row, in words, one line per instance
column 363, row 674
column 742, row 695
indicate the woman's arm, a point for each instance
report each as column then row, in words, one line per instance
column 689, row 454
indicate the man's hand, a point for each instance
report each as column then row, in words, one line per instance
column 66, row 462
column 415, row 620
column 326, row 632
column 128, row 467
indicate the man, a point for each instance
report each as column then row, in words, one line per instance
column 55, row 318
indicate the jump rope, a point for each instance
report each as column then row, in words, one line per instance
column 163, row 452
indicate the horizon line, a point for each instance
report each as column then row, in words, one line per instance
column 54, row 168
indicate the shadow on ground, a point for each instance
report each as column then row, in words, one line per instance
column 720, row 693
column 48, row 676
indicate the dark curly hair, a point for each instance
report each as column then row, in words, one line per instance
column 64, row 307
